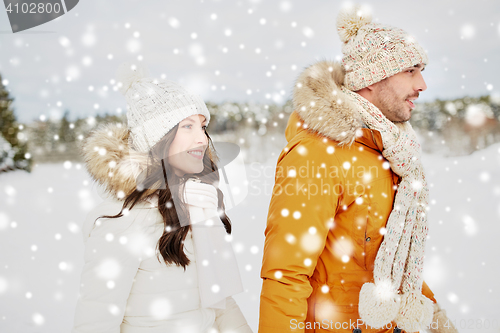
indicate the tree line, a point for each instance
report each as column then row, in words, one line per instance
column 451, row 127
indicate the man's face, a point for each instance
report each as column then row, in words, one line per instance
column 394, row 96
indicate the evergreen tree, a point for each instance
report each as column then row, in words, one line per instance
column 66, row 133
column 9, row 130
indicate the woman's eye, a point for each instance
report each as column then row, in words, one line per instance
column 187, row 126
column 204, row 128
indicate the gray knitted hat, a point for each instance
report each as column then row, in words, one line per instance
column 154, row 107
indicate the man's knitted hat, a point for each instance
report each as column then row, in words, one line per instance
column 154, row 107
column 373, row 51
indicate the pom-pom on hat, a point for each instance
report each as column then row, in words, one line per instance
column 373, row 51
column 154, row 107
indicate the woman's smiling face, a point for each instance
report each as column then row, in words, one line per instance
column 188, row 148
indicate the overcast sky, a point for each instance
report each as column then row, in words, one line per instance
column 248, row 50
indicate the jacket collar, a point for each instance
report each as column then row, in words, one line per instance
column 323, row 108
column 367, row 137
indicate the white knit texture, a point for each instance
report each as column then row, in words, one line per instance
column 211, row 246
column 399, row 261
column 154, row 107
column 373, row 51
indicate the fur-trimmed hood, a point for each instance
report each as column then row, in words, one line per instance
column 111, row 162
column 321, row 104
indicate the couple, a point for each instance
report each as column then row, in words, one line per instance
column 346, row 258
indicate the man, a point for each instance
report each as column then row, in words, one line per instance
column 347, row 221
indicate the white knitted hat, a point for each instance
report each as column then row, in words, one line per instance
column 372, row 51
column 154, row 107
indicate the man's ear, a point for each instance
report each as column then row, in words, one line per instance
column 365, row 90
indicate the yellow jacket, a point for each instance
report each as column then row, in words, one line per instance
column 329, row 206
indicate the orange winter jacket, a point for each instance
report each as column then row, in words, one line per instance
column 329, row 206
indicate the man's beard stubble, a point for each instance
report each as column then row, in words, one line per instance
column 390, row 105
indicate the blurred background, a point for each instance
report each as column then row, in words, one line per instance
column 242, row 57
column 57, row 82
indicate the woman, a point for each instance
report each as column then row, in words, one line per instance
column 157, row 257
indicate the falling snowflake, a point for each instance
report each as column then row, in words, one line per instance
column 10, row 190
column 64, row 41
column 453, row 298
column 477, row 114
column 73, row 227
column 484, row 177
column 88, row 39
column 109, row 269
column 290, row 238
column 38, row 319
column 470, row 225
column 467, row 31
column 85, row 199
column 160, row 309
column 133, row 45
column 63, row 266
column 310, row 242
column 308, row 32
column 435, row 272
column 343, row 247
column 174, row 23
column 285, row 6
column 114, row 310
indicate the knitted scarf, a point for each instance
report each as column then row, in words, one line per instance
column 218, row 274
column 396, row 294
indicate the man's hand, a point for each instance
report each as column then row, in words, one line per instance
column 440, row 322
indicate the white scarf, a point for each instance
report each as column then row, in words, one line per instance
column 396, row 294
column 218, row 274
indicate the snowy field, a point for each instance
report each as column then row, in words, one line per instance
column 42, row 250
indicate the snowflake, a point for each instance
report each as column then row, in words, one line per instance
column 467, row 31
column 109, row 269
column 160, row 309
column 310, row 242
column 38, row 319
column 470, row 225
column 453, row 298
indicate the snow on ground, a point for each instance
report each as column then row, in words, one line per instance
column 42, row 250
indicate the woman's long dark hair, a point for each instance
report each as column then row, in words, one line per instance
column 170, row 204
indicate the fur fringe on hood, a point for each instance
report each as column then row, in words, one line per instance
column 111, row 163
column 320, row 102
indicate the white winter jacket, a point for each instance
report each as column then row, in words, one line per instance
column 125, row 285
column 126, row 288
